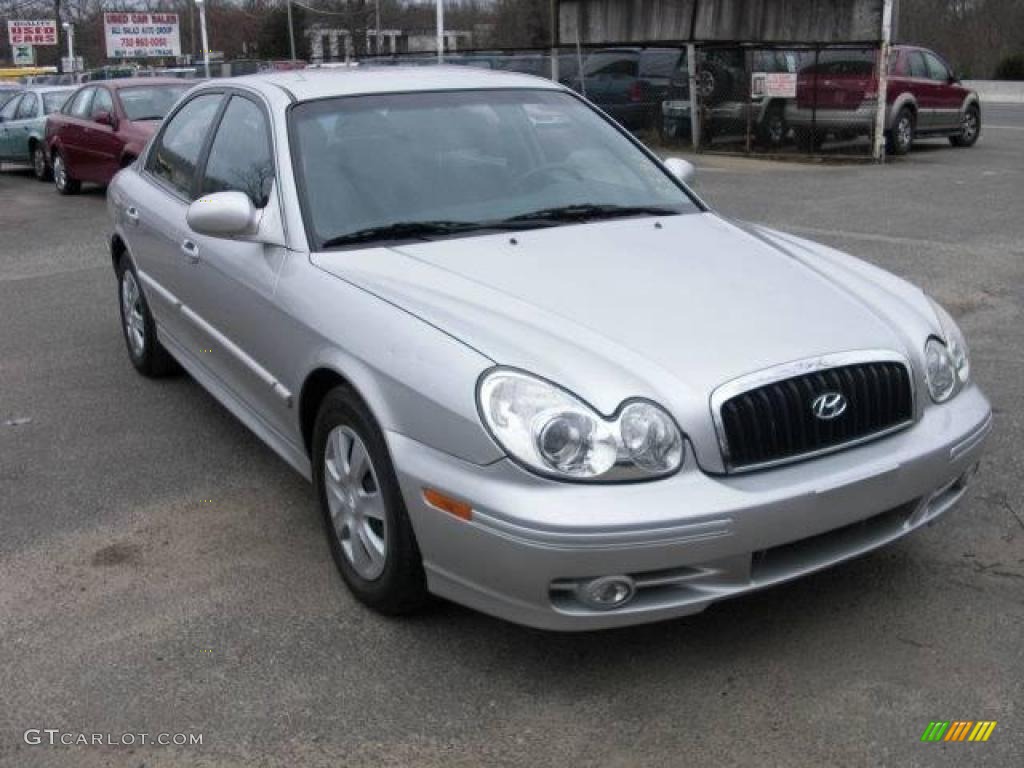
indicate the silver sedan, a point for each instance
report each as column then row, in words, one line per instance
column 524, row 366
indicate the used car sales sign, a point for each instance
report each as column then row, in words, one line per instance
column 140, row 35
column 22, row 32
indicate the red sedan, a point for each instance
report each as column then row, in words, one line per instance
column 104, row 126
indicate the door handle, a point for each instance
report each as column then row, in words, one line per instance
column 191, row 251
column 132, row 213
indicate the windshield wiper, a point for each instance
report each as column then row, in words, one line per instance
column 588, row 212
column 402, row 230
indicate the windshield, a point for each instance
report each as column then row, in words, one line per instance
column 149, row 102
column 54, row 100
column 467, row 158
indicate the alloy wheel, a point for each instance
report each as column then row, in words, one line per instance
column 356, row 503
column 969, row 126
column 905, row 131
column 60, row 174
column 132, row 314
column 39, row 162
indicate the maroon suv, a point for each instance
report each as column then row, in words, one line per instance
column 838, row 94
column 104, row 126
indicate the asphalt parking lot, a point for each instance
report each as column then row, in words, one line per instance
column 162, row 571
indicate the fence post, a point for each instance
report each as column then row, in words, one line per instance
column 691, row 66
column 878, row 151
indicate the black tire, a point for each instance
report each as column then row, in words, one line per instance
column 970, row 128
column 150, row 358
column 40, row 163
column 773, row 129
column 900, row 137
column 809, row 140
column 400, row 588
column 62, row 179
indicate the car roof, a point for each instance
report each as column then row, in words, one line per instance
column 50, row 88
column 131, row 82
column 308, row 84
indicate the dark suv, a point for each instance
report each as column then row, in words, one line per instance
column 728, row 97
column 630, row 83
column 838, row 96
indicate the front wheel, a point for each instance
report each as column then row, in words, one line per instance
column 367, row 525
column 40, row 168
column 62, row 179
column 970, row 128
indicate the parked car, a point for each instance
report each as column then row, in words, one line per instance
column 525, row 367
column 23, row 126
column 727, row 99
column 838, row 97
column 629, row 83
column 104, row 126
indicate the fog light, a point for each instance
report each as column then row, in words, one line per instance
column 607, row 593
column 967, row 476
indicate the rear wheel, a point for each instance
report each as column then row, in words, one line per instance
column 367, row 525
column 901, row 136
column 144, row 349
column 970, row 128
column 773, row 128
column 40, row 168
column 65, row 184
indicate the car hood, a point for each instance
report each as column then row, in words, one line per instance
column 666, row 308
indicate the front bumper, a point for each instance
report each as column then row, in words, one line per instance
column 688, row 540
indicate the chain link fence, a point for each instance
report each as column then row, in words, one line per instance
column 769, row 100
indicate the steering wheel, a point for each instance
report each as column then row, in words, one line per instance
column 548, row 169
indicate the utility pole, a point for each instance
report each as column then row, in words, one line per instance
column 440, row 31
column 291, row 30
column 377, row 11
column 554, row 40
column 206, row 41
column 882, row 109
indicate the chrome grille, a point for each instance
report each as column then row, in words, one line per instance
column 767, row 420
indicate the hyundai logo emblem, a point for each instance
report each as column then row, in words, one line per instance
column 828, row 406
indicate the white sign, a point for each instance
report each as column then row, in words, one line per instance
column 23, row 55
column 141, row 35
column 40, row 32
column 774, row 85
column 67, row 65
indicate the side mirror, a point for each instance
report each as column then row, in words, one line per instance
column 105, row 118
column 223, row 214
column 681, row 169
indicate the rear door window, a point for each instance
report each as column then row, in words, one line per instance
column 27, row 108
column 937, row 70
column 916, row 65
column 176, row 152
column 10, row 109
column 79, row 106
column 101, row 102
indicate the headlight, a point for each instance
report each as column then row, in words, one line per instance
column 554, row 433
column 943, row 384
column 940, row 372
